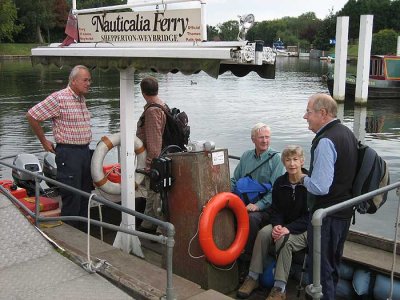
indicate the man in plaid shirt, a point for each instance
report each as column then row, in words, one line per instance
column 150, row 129
column 72, row 133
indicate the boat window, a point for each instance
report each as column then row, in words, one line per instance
column 393, row 68
column 376, row 68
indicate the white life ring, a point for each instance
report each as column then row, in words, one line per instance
column 100, row 179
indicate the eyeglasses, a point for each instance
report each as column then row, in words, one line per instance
column 309, row 112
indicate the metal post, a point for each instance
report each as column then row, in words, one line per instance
column 360, row 116
column 315, row 289
column 128, row 132
column 170, row 293
column 203, row 20
column 340, row 111
column 364, row 56
column 339, row 80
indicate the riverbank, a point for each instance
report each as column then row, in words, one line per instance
column 16, row 50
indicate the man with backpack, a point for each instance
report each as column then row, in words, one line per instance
column 150, row 129
column 332, row 171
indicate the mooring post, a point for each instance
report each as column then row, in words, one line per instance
column 342, row 32
column 398, row 46
column 364, row 56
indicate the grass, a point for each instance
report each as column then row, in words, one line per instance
column 16, row 49
column 352, row 51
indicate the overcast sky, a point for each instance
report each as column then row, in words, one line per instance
column 219, row 11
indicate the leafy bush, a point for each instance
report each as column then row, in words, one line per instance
column 384, row 42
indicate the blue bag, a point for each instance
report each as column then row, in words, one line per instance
column 250, row 190
column 267, row 278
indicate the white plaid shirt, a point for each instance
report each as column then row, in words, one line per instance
column 69, row 115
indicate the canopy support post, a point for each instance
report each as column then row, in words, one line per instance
column 124, row 241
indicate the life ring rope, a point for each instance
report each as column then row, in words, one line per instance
column 202, row 255
column 101, row 182
column 213, row 254
column 105, row 178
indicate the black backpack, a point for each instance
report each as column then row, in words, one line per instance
column 177, row 130
column 372, row 173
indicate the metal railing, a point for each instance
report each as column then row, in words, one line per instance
column 165, row 240
column 315, row 289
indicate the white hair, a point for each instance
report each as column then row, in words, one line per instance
column 258, row 127
column 75, row 71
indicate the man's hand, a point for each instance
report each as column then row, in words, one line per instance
column 252, row 207
column 48, row 146
column 279, row 231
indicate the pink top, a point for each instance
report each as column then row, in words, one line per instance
column 69, row 115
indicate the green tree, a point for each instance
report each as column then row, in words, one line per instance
column 212, row 33
column 36, row 16
column 393, row 16
column 355, row 8
column 307, row 27
column 60, row 10
column 96, row 3
column 8, row 15
column 228, row 31
column 384, row 42
column 268, row 31
column 326, row 32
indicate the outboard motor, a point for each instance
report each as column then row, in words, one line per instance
column 28, row 162
column 50, row 166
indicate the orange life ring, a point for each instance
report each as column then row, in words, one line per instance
column 214, row 206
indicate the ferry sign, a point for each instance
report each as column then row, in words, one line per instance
column 144, row 26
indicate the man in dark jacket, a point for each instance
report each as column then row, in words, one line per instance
column 332, row 171
column 288, row 228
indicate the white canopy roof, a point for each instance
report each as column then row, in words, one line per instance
column 214, row 58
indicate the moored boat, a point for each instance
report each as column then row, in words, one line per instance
column 384, row 78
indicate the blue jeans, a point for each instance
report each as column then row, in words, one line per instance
column 257, row 220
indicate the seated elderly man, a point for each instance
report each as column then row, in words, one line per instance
column 265, row 166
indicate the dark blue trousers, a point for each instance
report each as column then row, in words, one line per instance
column 73, row 169
column 333, row 235
column 257, row 220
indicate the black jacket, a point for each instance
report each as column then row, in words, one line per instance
column 345, row 167
column 289, row 205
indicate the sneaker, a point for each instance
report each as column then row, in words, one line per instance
column 248, row 286
column 276, row 294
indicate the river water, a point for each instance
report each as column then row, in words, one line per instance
column 222, row 110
